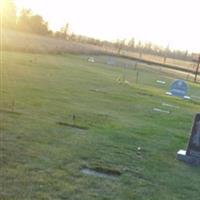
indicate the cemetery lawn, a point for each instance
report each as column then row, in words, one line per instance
column 61, row 113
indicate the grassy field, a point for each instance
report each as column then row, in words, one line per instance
column 26, row 42
column 169, row 61
column 60, row 114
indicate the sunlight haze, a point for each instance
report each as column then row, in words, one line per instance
column 173, row 22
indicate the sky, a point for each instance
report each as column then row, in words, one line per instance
column 164, row 22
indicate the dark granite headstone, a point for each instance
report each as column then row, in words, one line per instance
column 179, row 88
column 192, row 155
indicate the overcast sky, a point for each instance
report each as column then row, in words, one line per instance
column 173, row 22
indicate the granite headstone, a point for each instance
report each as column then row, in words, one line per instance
column 192, row 154
column 179, row 88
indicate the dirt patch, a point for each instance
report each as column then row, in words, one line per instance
column 10, row 112
column 144, row 94
column 101, row 172
column 98, row 90
column 89, row 120
column 73, row 125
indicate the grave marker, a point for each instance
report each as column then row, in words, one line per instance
column 91, row 59
column 192, row 154
column 111, row 61
column 169, row 105
column 179, row 88
column 160, row 110
column 161, row 82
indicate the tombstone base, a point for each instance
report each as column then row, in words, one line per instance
column 184, row 97
column 169, row 93
column 187, row 97
column 181, row 155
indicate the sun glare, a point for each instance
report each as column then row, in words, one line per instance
column 162, row 22
column 1, row 5
column 4, row 6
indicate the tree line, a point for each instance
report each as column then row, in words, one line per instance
column 26, row 21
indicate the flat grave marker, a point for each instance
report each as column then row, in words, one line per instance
column 160, row 110
column 161, row 82
column 169, row 105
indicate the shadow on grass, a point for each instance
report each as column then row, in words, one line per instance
column 72, row 125
column 101, row 172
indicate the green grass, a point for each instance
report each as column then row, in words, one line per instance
column 41, row 159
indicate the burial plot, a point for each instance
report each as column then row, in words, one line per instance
column 192, row 154
column 179, row 88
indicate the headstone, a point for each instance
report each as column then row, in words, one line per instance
column 179, row 88
column 111, row 61
column 91, row 59
column 192, row 154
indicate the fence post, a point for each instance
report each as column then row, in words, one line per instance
column 137, row 77
column 197, row 70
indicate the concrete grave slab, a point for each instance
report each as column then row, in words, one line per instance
column 160, row 110
column 161, row 82
column 169, row 105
